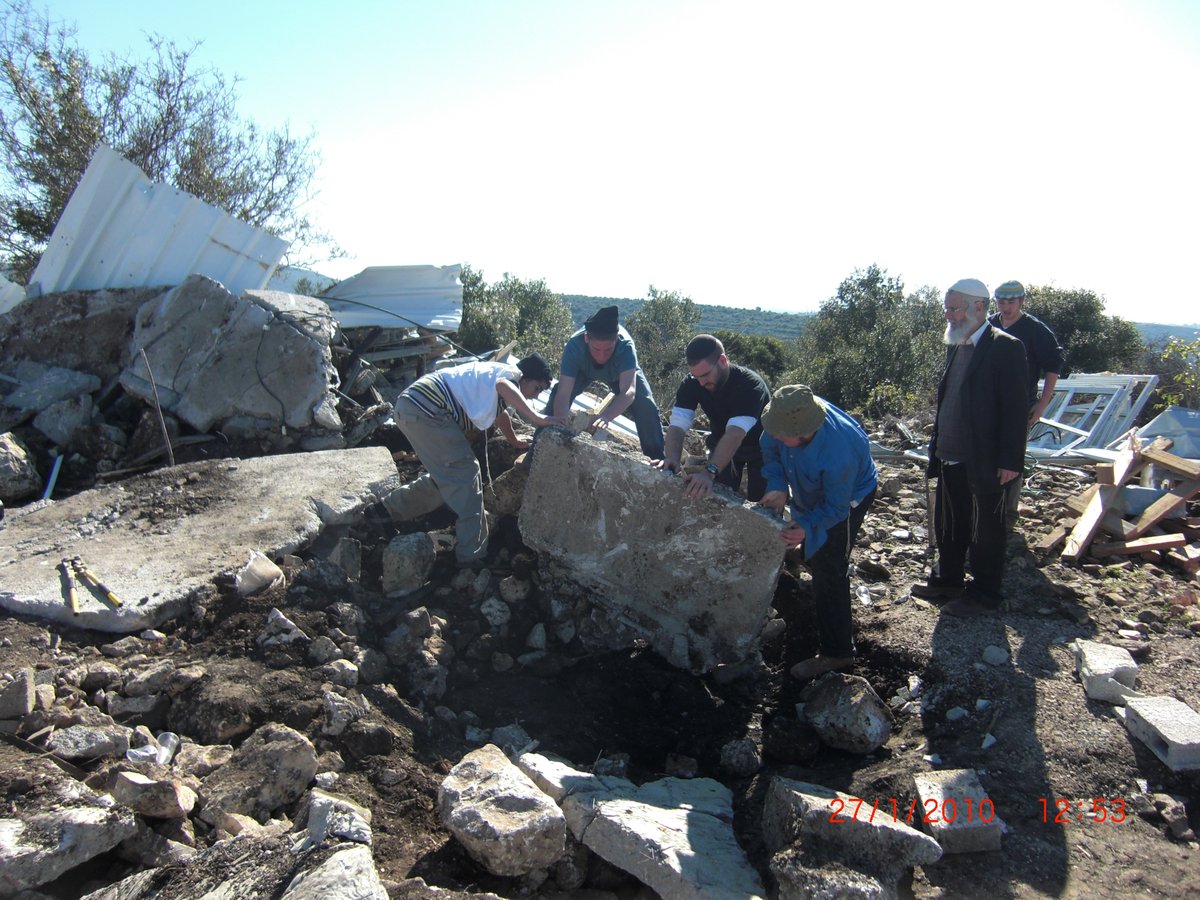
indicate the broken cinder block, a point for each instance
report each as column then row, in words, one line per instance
column 1108, row 673
column 957, row 812
column 1169, row 727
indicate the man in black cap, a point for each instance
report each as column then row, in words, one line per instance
column 733, row 398
column 436, row 412
column 603, row 351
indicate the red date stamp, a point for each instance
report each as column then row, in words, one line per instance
column 930, row 812
column 1061, row 811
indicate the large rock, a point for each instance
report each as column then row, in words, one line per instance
column 846, row 713
column 505, row 823
column 42, row 386
column 693, row 577
column 254, row 364
column 19, row 477
column 270, row 770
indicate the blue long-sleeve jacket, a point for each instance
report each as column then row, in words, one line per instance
column 825, row 477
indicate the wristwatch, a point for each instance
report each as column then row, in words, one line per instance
column 711, row 470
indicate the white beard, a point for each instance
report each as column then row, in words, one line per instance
column 958, row 334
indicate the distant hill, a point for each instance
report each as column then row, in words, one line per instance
column 1157, row 334
column 785, row 326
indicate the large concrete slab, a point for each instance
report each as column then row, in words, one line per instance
column 693, row 577
column 156, row 539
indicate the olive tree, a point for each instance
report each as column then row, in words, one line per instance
column 526, row 312
column 176, row 121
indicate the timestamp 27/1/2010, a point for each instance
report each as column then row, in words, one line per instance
column 1058, row 811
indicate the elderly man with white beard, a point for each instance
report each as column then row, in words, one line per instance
column 977, row 447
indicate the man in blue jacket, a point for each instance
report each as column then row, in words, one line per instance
column 819, row 472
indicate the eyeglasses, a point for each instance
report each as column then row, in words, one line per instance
column 955, row 309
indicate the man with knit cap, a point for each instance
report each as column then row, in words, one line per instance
column 820, row 475
column 436, row 412
column 603, row 351
column 1043, row 356
column 977, row 447
column 733, row 398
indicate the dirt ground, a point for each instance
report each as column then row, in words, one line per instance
column 1054, row 749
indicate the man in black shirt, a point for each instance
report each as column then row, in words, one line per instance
column 733, row 398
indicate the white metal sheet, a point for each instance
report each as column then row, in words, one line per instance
column 121, row 230
column 393, row 296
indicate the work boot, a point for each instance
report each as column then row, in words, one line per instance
column 937, row 589
column 810, row 668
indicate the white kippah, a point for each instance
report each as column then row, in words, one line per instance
column 972, row 287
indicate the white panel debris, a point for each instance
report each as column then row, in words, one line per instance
column 394, row 296
column 121, row 230
column 1089, row 412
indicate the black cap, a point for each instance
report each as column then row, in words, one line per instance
column 602, row 323
column 534, row 366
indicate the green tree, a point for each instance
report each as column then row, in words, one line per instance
column 768, row 356
column 526, row 312
column 661, row 330
column 1092, row 340
column 176, row 122
column 1181, row 379
column 870, row 347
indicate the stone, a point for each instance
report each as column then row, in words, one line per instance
column 41, row 386
column 68, row 422
column 156, row 798
column 350, row 872
column 957, row 812
column 499, row 816
column 741, row 758
column 271, row 769
column 641, row 548
column 86, row 742
column 847, row 714
column 407, row 561
column 1169, row 727
column 326, row 815
column 18, row 696
column 995, row 656
column 19, row 477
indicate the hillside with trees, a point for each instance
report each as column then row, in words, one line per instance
column 783, row 325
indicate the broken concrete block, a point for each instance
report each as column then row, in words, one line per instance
column 67, row 422
column 17, row 697
column 172, row 541
column 954, row 808
column 1108, row 673
column 695, row 578
column 1169, row 727
column 41, row 386
column 259, row 364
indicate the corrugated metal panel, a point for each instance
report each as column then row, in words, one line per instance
column 10, row 294
column 120, row 230
column 430, row 296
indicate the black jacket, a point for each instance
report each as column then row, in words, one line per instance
column 997, row 408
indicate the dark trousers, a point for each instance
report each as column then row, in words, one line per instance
column 830, row 569
column 970, row 525
column 756, row 484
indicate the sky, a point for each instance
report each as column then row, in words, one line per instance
column 749, row 154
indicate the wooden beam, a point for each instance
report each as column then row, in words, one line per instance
column 1140, row 545
column 1127, row 463
column 1188, row 468
column 1104, row 473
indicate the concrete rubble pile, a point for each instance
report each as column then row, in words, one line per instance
column 85, row 374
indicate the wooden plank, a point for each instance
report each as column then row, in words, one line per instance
column 1188, row 468
column 1164, row 506
column 1056, row 536
column 1176, row 558
column 1127, row 463
column 1140, row 545
column 1104, row 473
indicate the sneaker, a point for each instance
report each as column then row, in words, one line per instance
column 937, row 589
column 810, row 668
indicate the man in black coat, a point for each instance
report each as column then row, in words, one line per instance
column 977, row 447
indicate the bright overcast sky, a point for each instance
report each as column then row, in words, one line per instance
column 746, row 154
